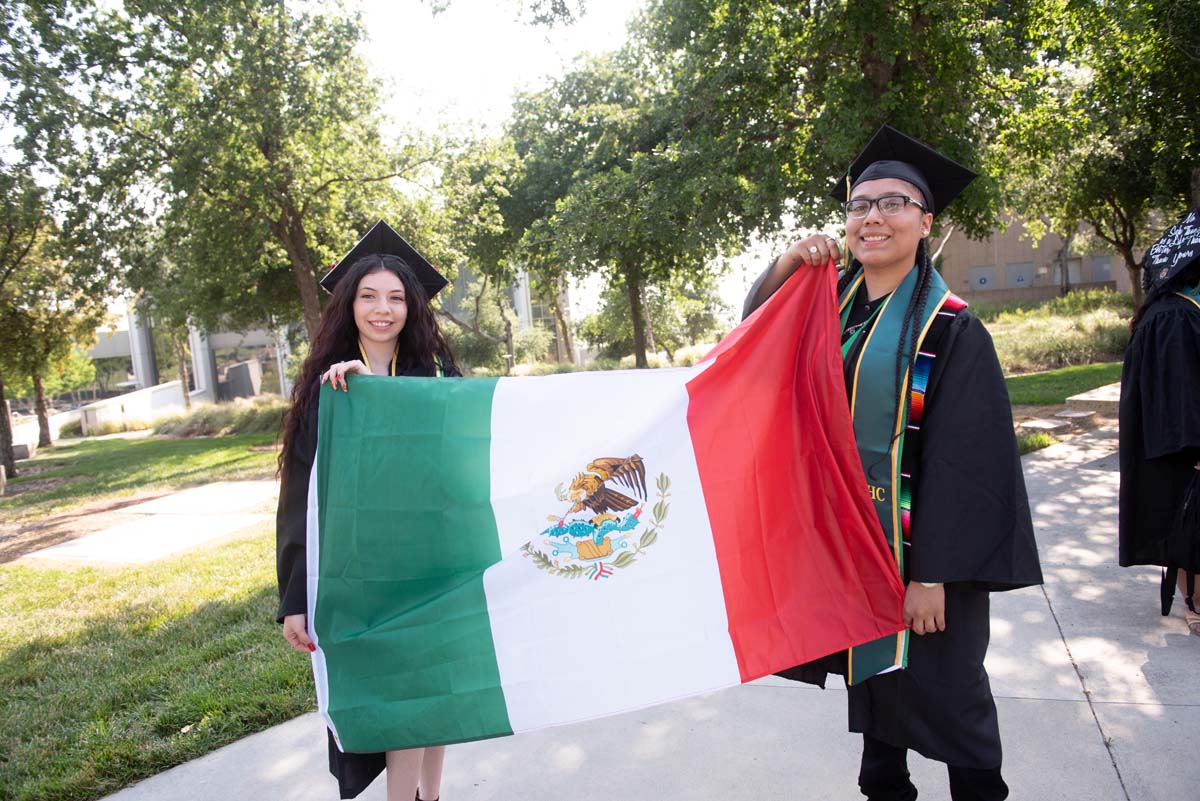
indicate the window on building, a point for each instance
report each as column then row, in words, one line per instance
column 1074, row 268
column 1102, row 267
column 1019, row 275
column 982, row 278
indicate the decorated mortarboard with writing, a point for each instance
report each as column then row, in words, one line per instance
column 1174, row 251
column 891, row 154
column 382, row 238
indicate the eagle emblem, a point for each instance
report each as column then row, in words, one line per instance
column 589, row 488
column 598, row 533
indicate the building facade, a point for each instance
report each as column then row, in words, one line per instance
column 1013, row 266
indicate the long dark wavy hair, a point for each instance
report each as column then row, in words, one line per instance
column 419, row 351
column 1186, row 277
column 910, row 328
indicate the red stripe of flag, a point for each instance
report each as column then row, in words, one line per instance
column 804, row 567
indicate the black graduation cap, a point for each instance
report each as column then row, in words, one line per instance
column 891, row 154
column 1174, row 251
column 382, row 238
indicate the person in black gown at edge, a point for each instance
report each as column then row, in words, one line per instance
column 1160, row 428
column 934, row 429
column 378, row 322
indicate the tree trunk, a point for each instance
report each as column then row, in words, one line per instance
column 6, row 435
column 560, row 314
column 937, row 254
column 651, row 346
column 633, row 285
column 510, row 343
column 1196, row 188
column 1064, row 265
column 294, row 240
column 39, row 395
column 1135, row 276
column 183, row 372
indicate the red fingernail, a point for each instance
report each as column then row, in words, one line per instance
column 312, row 647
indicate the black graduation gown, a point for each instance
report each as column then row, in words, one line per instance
column 354, row 772
column 972, row 531
column 1159, row 427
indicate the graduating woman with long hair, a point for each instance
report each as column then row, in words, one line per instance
column 378, row 322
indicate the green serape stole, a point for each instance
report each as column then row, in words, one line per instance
column 879, row 430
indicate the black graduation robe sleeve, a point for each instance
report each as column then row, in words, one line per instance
column 291, row 519
column 971, row 520
column 753, row 301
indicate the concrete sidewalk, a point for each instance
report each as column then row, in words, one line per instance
column 1095, row 692
column 175, row 523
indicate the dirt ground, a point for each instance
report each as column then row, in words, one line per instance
column 1023, row 413
column 22, row 537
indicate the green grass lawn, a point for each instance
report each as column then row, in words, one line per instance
column 89, row 470
column 110, row 675
column 1055, row 386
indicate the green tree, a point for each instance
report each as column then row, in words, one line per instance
column 110, row 370
column 68, row 373
column 475, row 174
column 483, row 330
column 45, row 316
column 245, row 135
column 24, row 219
column 684, row 312
column 604, row 185
column 719, row 116
column 1114, row 143
column 784, row 95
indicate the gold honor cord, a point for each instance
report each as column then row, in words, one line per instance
column 362, row 352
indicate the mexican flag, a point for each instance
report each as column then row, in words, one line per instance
column 491, row 556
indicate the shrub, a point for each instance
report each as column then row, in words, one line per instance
column 1035, row 441
column 652, row 359
column 690, row 354
column 241, row 416
column 1078, row 328
column 604, row 362
column 110, row 427
column 544, row 368
column 71, row 429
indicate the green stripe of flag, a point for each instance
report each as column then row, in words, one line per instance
column 413, row 525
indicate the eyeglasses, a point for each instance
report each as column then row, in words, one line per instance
column 889, row 205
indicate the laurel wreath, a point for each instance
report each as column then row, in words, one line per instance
column 625, row 558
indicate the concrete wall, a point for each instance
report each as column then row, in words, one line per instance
column 142, row 406
column 26, row 432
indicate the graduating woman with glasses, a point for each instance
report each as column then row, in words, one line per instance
column 934, row 429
